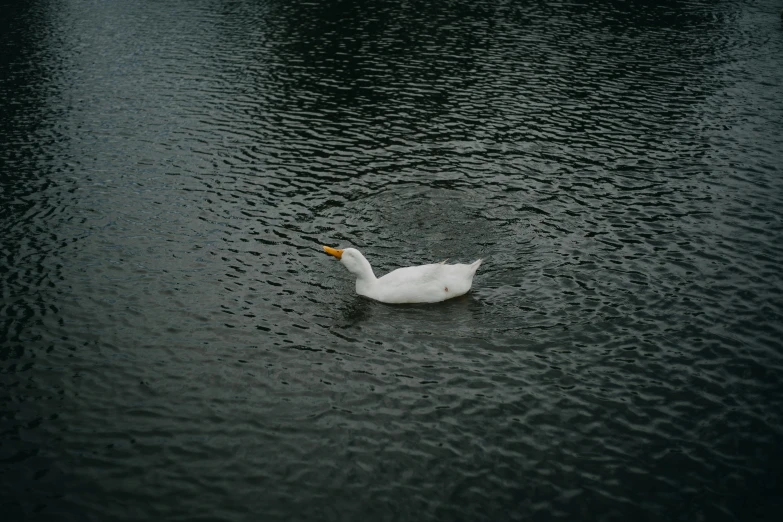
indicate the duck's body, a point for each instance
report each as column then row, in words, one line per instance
column 413, row 284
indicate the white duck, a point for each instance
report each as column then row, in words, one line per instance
column 412, row 284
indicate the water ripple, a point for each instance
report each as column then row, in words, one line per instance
column 175, row 345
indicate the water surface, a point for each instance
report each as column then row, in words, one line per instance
column 175, row 346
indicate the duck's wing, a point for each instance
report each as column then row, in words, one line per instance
column 413, row 275
column 425, row 274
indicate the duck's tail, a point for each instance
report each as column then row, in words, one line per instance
column 474, row 266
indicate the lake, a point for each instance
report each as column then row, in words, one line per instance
column 175, row 345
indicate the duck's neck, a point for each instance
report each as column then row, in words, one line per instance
column 365, row 277
column 364, row 272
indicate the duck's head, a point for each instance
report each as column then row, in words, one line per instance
column 353, row 260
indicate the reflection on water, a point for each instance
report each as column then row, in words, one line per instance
column 175, row 344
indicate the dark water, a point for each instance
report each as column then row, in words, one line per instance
column 174, row 345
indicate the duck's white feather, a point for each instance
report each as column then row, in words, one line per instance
column 414, row 284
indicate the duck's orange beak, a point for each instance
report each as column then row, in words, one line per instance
column 333, row 252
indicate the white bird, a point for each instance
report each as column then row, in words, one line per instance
column 411, row 284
